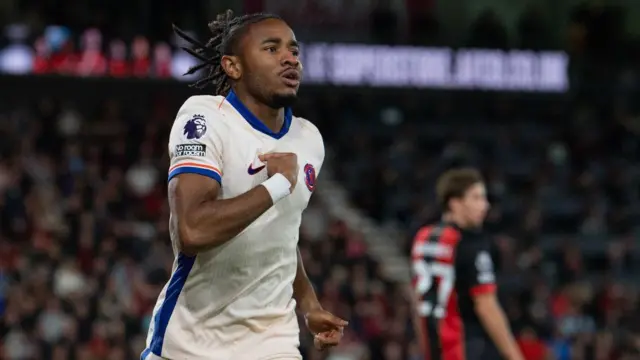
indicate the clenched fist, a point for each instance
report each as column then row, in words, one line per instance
column 283, row 163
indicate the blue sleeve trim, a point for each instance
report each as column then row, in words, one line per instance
column 194, row 170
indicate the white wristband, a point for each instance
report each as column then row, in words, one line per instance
column 278, row 187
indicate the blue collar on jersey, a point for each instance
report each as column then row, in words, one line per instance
column 255, row 122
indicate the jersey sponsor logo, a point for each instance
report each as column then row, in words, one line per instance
column 484, row 266
column 310, row 177
column 190, row 150
column 195, row 128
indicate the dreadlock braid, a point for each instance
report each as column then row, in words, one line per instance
column 226, row 30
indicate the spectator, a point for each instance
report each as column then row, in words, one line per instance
column 531, row 346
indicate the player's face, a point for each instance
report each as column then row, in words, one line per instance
column 475, row 204
column 271, row 69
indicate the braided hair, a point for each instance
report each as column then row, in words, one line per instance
column 226, row 30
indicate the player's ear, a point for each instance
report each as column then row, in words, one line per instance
column 454, row 204
column 231, row 66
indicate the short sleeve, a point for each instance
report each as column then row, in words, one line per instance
column 196, row 140
column 315, row 142
column 478, row 266
column 321, row 153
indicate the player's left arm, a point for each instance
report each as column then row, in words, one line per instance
column 326, row 328
column 495, row 323
column 483, row 291
column 303, row 290
column 415, row 298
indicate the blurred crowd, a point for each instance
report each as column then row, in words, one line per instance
column 583, row 28
column 84, row 248
column 94, row 39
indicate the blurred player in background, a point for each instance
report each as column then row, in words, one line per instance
column 457, row 313
column 237, row 161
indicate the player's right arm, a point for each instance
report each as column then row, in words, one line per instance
column 486, row 305
column 418, row 327
column 415, row 298
column 202, row 220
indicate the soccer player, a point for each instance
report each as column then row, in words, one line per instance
column 457, row 314
column 242, row 171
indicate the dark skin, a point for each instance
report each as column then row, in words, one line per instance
column 265, row 77
column 268, row 48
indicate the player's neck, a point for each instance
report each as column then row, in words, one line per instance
column 272, row 118
column 455, row 219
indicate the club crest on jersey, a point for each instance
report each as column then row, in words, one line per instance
column 196, row 127
column 310, row 177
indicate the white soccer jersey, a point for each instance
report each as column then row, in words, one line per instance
column 235, row 301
